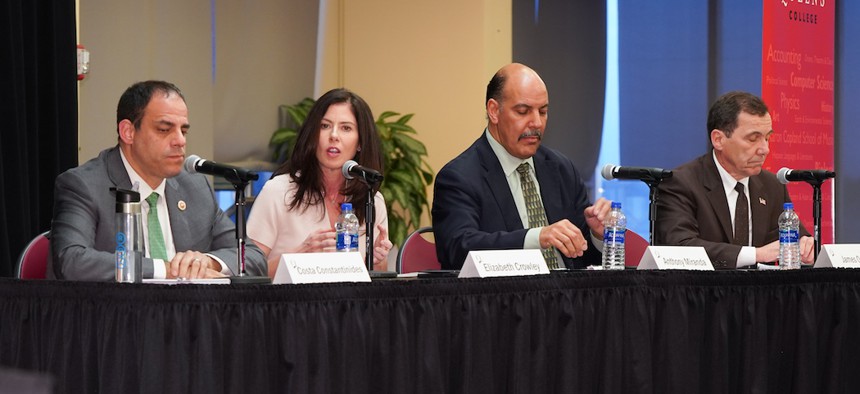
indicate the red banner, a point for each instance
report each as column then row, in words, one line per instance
column 797, row 85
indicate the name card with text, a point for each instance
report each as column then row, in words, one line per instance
column 675, row 258
column 516, row 262
column 839, row 256
column 296, row 268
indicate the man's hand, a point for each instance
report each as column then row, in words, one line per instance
column 767, row 253
column 564, row 236
column 595, row 214
column 807, row 250
column 193, row 265
column 770, row 252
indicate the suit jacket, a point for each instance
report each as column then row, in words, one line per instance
column 692, row 210
column 83, row 228
column 473, row 208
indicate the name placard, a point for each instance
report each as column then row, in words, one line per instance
column 515, row 262
column 296, row 268
column 839, row 256
column 675, row 258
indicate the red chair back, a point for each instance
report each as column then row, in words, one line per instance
column 33, row 262
column 634, row 249
column 417, row 253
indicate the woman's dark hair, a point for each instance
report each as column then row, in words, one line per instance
column 304, row 167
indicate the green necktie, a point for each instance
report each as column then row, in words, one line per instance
column 153, row 225
column 535, row 211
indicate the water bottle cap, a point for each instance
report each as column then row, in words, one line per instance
column 616, row 204
column 124, row 196
column 347, row 206
column 788, row 205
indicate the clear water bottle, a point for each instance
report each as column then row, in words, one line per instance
column 346, row 228
column 614, row 230
column 129, row 237
column 789, row 238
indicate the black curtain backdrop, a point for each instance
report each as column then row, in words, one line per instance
column 578, row 332
column 39, row 138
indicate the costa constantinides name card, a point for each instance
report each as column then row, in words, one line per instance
column 296, row 268
column 839, row 256
column 515, row 262
column 675, row 258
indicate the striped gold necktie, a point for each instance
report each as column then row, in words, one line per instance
column 535, row 211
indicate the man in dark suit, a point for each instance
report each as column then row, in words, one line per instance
column 506, row 191
column 723, row 200
column 197, row 240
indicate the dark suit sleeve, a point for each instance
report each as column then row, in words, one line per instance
column 565, row 197
column 462, row 221
column 678, row 223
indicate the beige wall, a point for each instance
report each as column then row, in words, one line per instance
column 429, row 58
column 433, row 59
column 265, row 56
column 131, row 41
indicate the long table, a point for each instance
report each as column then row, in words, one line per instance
column 586, row 331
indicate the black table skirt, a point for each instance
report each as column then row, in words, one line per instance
column 583, row 332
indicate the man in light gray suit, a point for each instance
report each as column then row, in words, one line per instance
column 186, row 234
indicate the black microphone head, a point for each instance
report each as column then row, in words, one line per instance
column 781, row 175
column 607, row 172
column 346, row 167
column 191, row 163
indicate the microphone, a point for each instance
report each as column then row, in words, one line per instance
column 647, row 174
column 194, row 163
column 351, row 169
column 786, row 175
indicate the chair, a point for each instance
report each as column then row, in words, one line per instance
column 33, row 262
column 417, row 253
column 634, row 249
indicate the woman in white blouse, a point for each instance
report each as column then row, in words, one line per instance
column 296, row 210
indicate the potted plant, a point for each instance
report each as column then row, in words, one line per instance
column 407, row 173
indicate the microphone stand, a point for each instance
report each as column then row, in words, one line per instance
column 652, row 177
column 240, row 183
column 816, row 216
column 653, row 196
column 370, row 225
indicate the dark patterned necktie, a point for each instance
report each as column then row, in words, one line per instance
column 742, row 217
column 535, row 211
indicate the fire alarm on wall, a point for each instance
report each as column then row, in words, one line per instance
column 83, row 62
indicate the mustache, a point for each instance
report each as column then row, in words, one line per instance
column 531, row 133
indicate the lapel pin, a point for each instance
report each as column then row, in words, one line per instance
column 762, row 201
column 181, row 205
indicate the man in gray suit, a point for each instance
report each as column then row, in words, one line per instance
column 186, row 234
